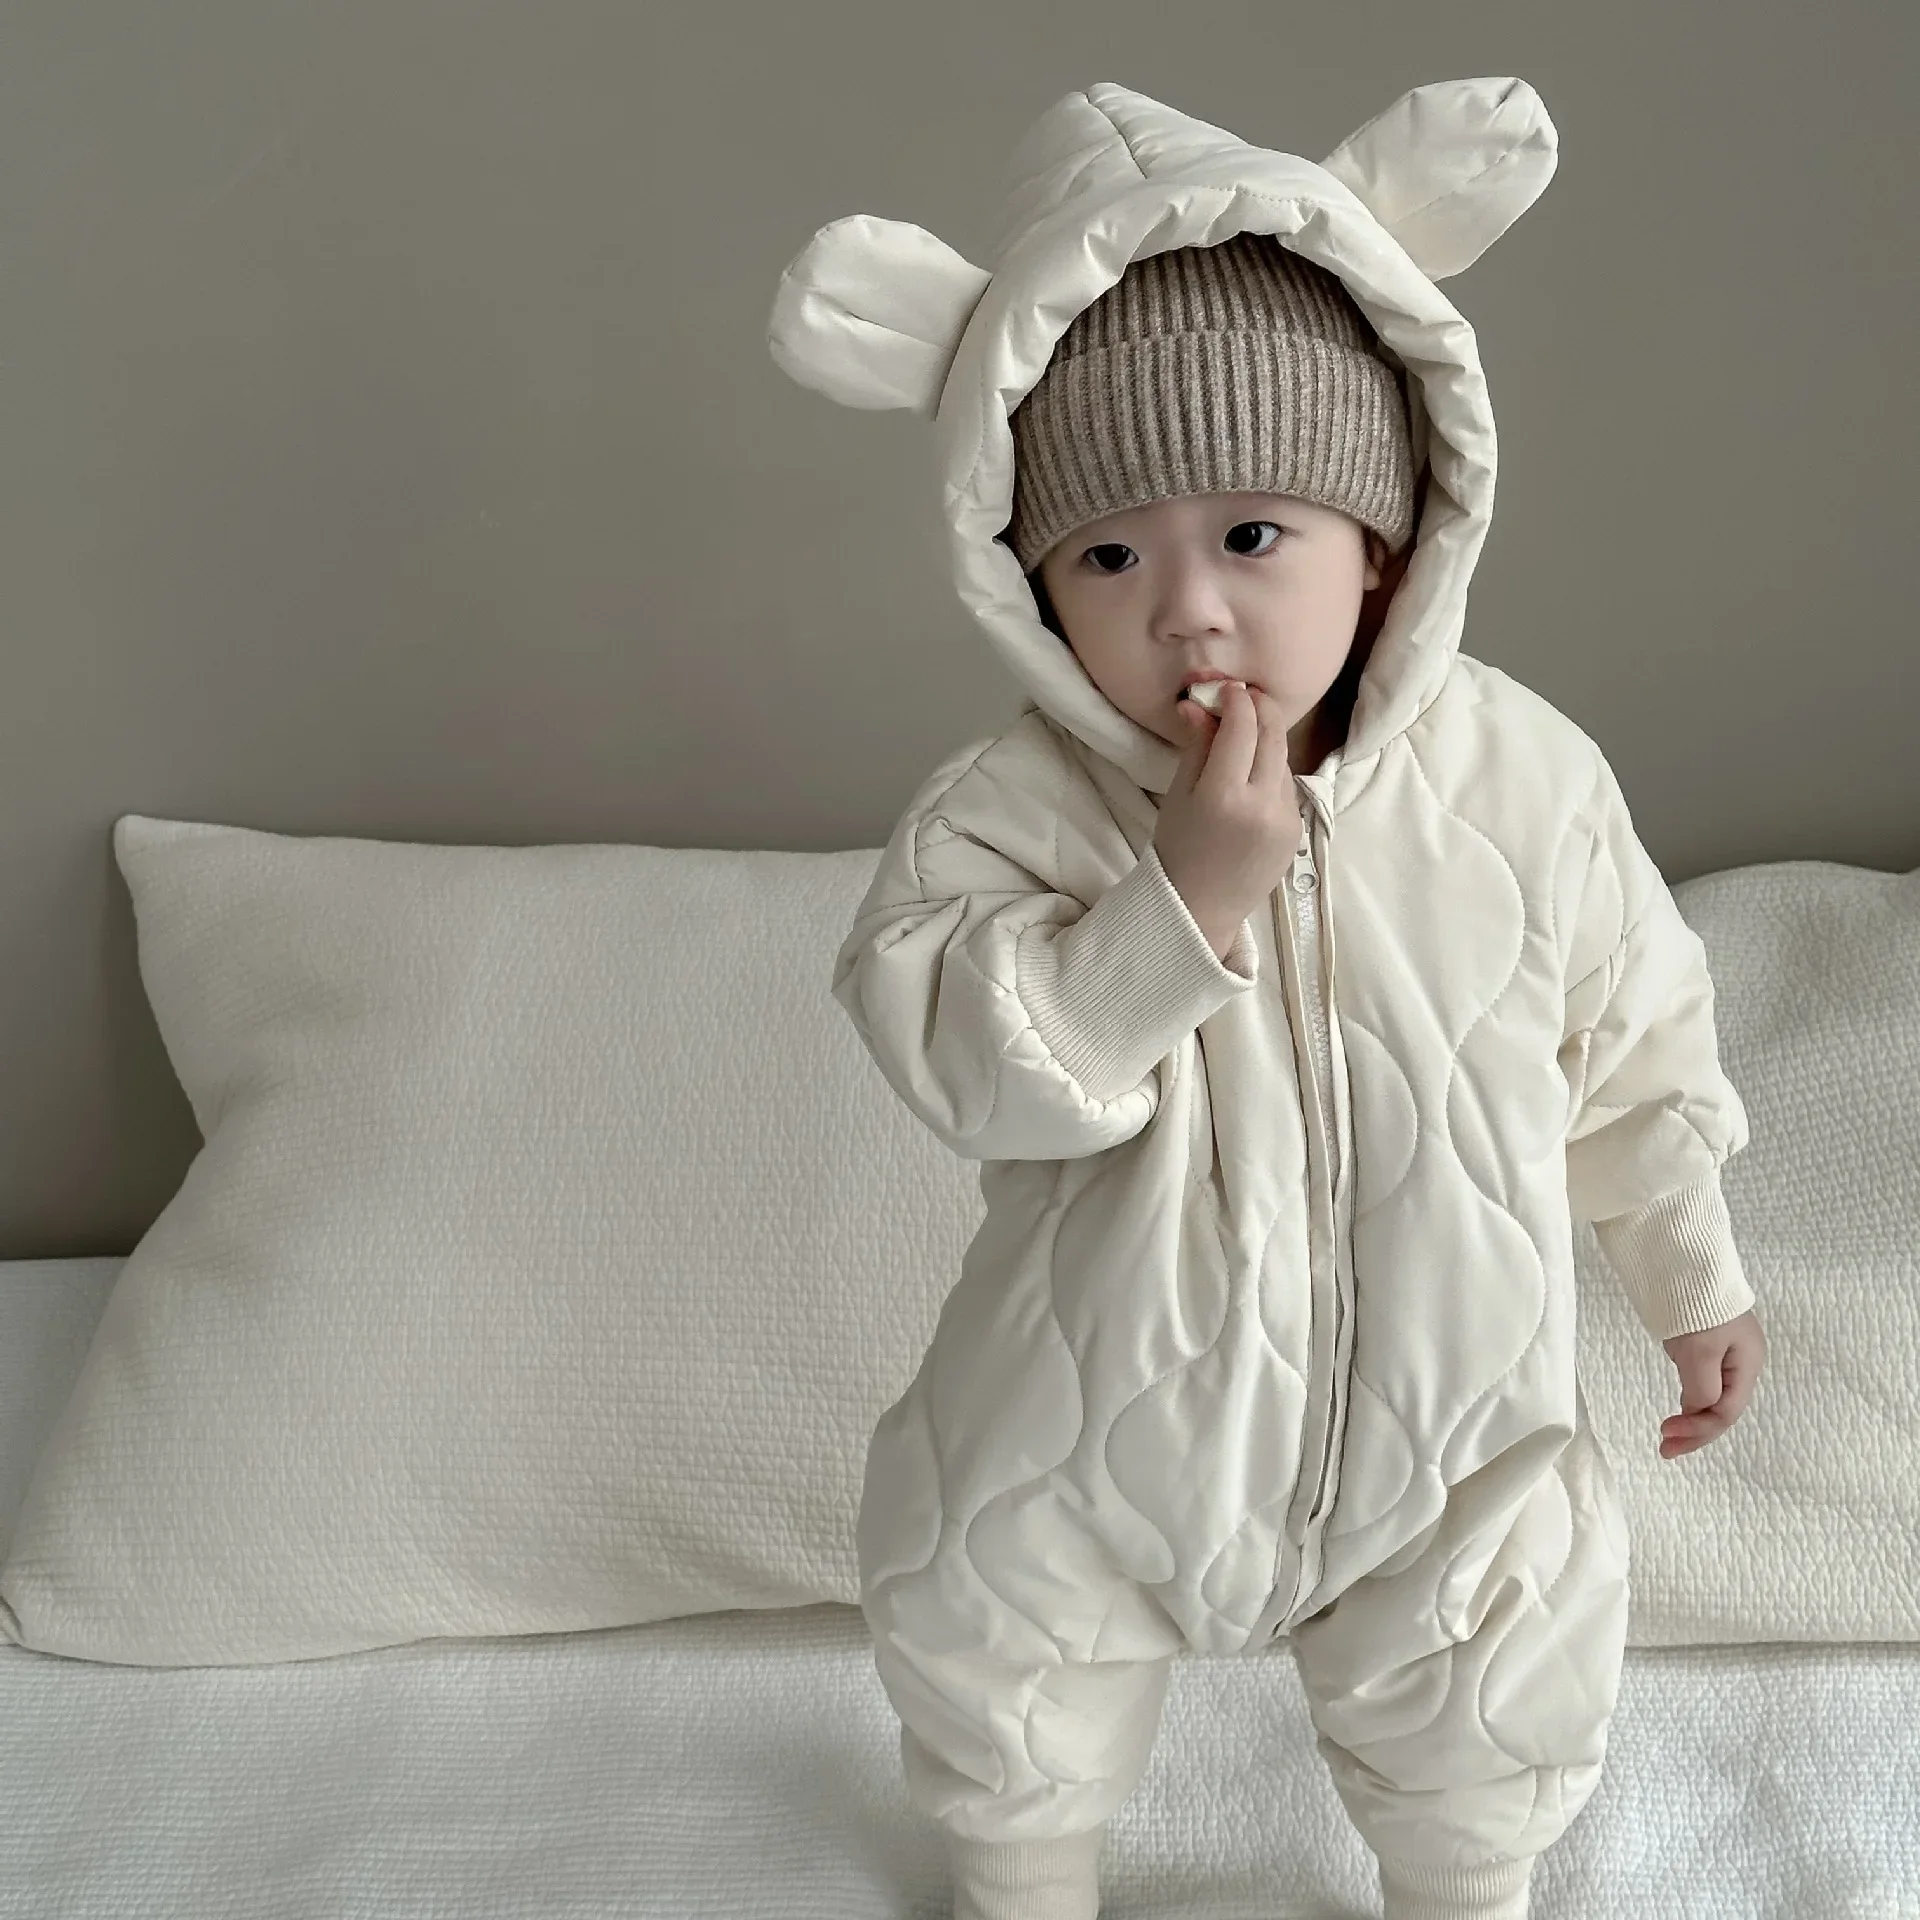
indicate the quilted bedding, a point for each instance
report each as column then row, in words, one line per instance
column 744, row 1767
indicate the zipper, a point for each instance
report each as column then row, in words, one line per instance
column 1322, row 1103
column 1305, row 891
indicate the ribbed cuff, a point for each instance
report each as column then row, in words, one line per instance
column 1494, row 1890
column 1676, row 1260
column 1119, row 989
column 1052, row 1879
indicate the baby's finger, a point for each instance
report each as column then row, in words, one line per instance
column 1694, row 1422
column 1683, row 1432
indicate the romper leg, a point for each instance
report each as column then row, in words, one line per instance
column 1022, row 1768
column 998, row 1752
column 1462, row 1700
column 1028, row 1701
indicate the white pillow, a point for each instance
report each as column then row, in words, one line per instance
column 552, row 1252
column 555, row 1247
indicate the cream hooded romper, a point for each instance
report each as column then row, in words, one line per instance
column 1268, row 1331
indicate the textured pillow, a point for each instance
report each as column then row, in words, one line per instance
column 553, row 1249
column 1802, row 1522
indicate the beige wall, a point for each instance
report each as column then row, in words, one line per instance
column 388, row 421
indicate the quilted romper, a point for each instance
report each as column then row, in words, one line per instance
column 1268, row 1332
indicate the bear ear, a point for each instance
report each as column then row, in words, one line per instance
column 870, row 313
column 1449, row 167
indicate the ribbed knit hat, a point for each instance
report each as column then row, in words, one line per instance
column 1232, row 368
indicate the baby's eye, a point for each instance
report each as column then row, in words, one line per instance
column 1245, row 525
column 1233, row 534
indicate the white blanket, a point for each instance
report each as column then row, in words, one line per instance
column 744, row 1766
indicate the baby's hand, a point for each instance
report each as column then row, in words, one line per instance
column 1717, row 1367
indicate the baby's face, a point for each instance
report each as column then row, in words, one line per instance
column 1261, row 585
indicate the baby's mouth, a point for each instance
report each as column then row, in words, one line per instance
column 1186, row 692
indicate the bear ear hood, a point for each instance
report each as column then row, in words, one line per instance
column 879, row 313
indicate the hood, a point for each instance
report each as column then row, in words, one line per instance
column 879, row 313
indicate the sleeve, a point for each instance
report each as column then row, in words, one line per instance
column 1016, row 1021
column 1654, row 1118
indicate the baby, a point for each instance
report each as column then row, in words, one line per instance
column 1291, row 1021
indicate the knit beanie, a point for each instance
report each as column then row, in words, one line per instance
column 1232, row 368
